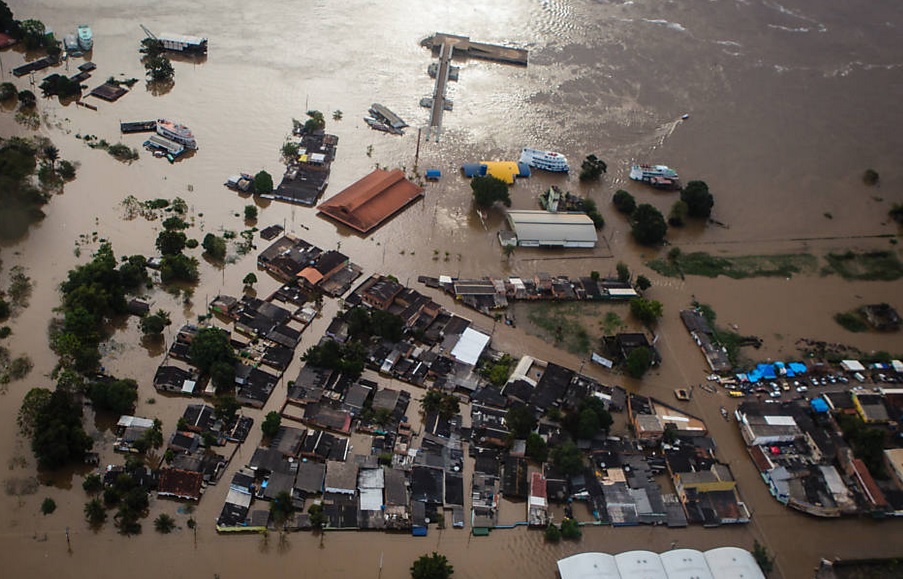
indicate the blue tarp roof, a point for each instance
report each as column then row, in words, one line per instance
column 474, row 169
column 433, row 173
column 819, row 405
column 797, row 367
column 524, row 169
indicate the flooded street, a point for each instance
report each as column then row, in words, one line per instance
column 789, row 103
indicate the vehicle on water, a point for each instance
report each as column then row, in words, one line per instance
column 85, row 37
column 659, row 176
column 736, row 394
column 183, row 43
column 545, row 160
column 71, row 46
column 176, row 132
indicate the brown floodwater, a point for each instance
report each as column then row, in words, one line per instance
column 789, row 102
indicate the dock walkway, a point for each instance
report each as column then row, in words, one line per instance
column 439, row 92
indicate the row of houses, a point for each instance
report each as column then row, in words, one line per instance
column 290, row 259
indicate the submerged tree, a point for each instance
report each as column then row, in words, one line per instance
column 489, row 190
column 434, row 566
column 158, row 68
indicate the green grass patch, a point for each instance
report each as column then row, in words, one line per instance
column 565, row 324
column 852, row 321
column 868, row 266
column 736, row 267
column 730, row 340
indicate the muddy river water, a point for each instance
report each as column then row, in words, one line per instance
column 789, row 102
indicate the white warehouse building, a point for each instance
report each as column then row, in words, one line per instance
column 720, row 563
column 544, row 229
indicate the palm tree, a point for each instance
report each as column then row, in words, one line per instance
column 51, row 153
column 95, row 513
column 164, row 523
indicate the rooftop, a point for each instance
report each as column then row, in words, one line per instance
column 365, row 204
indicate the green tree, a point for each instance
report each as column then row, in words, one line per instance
column 214, row 246
column 225, row 407
column 315, row 122
column 896, row 213
column 645, row 310
column 698, row 199
column 568, row 459
column 678, row 215
column 765, row 561
column 170, row 242
column 624, row 202
column 178, row 268
column 164, row 524
column 623, row 272
column 318, row 518
column 592, row 168
column 281, row 508
column 209, row 346
column 552, row 533
column 250, row 279
column 116, row 396
column 520, row 421
column 270, row 425
column 34, row 33
column 570, row 529
column 643, row 283
column 92, row 484
column 174, row 223
column 290, row 151
column 638, row 362
column 537, row 449
column 48, row 505
column 250, row 212
column 66, row 170
column 434, row 566
column 31, row 410
column 648, row 225
column 154, row 324
column 489, row 190
column 58, row 436
column 870, row 177
column 52, row 154
column 431, row 402
column 27, row 99
column 158, row 68
column 95, row 513
column 7, row 91
column 263, row 183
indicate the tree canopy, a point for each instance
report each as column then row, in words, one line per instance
column 434, row 566
column 116, row 396
column 639, row 360
column 645, row 310
column 212, row 353
column 158, row 68
column 520, row 421
column 270, row 425
column 349, row 357
column 568, row 459
column 263, row 183
column 648, row 225
column 489, row 190
column 214, row 246
column 57, row 435
column 592, row 168
column 698, row 199
column 624, row 202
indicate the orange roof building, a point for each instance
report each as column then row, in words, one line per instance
column 365, row 204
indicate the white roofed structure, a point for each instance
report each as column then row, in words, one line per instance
column 470, row 346
column 720, row 563
column 544, row 229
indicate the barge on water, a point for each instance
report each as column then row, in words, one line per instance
column 183, row 43
column 170, row 149
column 138, row 127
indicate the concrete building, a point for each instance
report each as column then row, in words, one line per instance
column 544, row 229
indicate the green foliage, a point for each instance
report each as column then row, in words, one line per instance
column 281, row 508
column 122, row 152
column 212, row 353
column 214, row 246
column 434, row 566
column 896, row 213
column 27, row 99
column 250, row 212
column 678, row 215
column 570, row 529
column 33, row 405
column 164, row 524
column 680, row 264
column 867, row 443
column 592, row 168
column 48, row 505
column 92, row 484
column 158, row 68
column 66, row 170
column 867, row 266
column 349, row 358
column 552, row 533
column 318, row 518
column 95, row 513
column 588, row 419
column 648, row 225
column 179, row 268
column 34, row 34
column 497, row 372
column 643, row 283
column 154, row 324
column 638, row 362
column 7, row 91
column 624, row 202
column 315, row 122
column 225, row 407
column 645, row 310
column 116, row 396
column 870, row 177
column 270, row 425
column 698, row 199
column 489, row 190
column 20, row 199
column 290, row 151
column 623, row 272
column 851, row 321
column 4, row 309
column 174, row 223
column 364, row 323
column 765, row 561
column 537, row 449
column 249, row 279
column 57, row 435
column 59, row 85
column 263, row 183
column 568, row 459
column 446, row 405
column 520, row 421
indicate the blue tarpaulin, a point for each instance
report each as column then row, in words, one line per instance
column 819, row 405
column 433, row 174
column 797, row 367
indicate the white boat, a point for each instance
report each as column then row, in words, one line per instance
column 646, row 173
column 85, row 37
column 70, row 43
column 545, row 160
column 176, row 132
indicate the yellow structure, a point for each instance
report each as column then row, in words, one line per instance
column 504, row 170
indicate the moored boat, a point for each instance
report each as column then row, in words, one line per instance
column 176, row 132
column 545, row 160
column 647, row 173
column 71, row 45
column 85, row 37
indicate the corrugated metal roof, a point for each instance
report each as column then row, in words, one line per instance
column 552, row 228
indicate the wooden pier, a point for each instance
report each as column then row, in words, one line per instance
column 439, row 92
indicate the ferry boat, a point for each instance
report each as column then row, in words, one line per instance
column 85, row 37
column 176, row 132
column 545, row 160
column 647, row 173
column 71, row 45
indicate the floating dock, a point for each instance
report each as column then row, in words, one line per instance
column 439, row 96
column 36, row 65
column 466, row 47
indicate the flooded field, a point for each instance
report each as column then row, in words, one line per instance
column 789, row 103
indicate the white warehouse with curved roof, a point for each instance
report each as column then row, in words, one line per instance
column 720, row 563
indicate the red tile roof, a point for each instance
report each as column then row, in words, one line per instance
column 368, row 202
column 182, row 484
